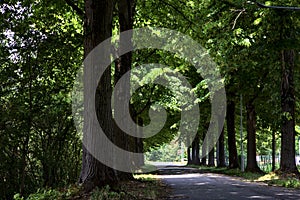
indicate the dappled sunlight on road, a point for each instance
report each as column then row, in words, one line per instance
column 193, row 184
column 179, row 176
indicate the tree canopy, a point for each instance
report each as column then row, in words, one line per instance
column 43, row 45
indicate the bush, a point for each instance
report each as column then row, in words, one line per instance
column 51, row 194
column 106, row 194
column 41, row 195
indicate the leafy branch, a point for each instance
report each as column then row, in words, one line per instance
column 75, row 7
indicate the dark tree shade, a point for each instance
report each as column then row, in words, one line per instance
column 98, row 27
column 233, row 158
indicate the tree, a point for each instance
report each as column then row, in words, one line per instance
column 122, row 65
column 233, row 158
column 251, row 139
column 287, row 56
column 194, row 157
column 221, row 151
column 287, row 161
column 211, row 158
column 97, row 28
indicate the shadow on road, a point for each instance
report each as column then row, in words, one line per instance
column 176, row 170
column 194, row 184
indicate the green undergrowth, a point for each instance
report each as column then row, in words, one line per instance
column 279, row 179
column 271, row 178
column 69, row 192
column 132, row 190
column 232, row 172
column 142, row 188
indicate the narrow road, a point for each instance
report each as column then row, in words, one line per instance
column 189, row 183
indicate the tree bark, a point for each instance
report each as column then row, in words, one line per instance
column 233, row 158
column 188, row 152
column 273, row 150
column 123, row 140
column 251, row 139
column 204, row 156
column 98, row 27
column 140, row 145
column 211, row 158
column 221, row 151
column 195, row 150
column 287, row 161
column 189, row 157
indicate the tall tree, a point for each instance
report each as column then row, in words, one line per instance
column 204, row 155
column 122, row 65
column 233, row 158
column 221, row 151
column 288, row 54
column 251, row 139
column 287, row 34
column 195, row 158
column 97, row 28
column 211, row 158
column 287, row 161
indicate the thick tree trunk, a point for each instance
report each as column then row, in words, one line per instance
column 221, row 151
column 98, row 27
column 251, row 139
column 195, row 150
column 233, row 158
column 123, row 140
column 273, row 150
column 287, row 161
column 211, row 158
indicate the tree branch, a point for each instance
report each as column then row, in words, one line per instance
column 231, row 4
column 146, row 105
column 264, row 76
column 277, row 7
column 75, row 7
column 234, row 23
column 179, row 12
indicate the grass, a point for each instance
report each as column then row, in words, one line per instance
column 143, row 188
column 271, row 178
column 233, row 172
column 276, row 179
column 69, row 192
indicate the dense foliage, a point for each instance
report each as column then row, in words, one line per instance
column 41, row 48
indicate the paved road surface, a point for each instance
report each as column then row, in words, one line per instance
column 189, row 183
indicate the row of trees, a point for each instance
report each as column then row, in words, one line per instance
column 258, row 60
column 252, row 52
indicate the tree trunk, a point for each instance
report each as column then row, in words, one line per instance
column 221, row 150
column 287, row 161
column 233, row 158
column 211, row 158
column 195, row 150
column 26, row 138
column 204, row 155
column 188, row 152
column 98, row 27
column 189, row 157
column 140, row 145
column 273, row 150
column 123, row 140
column 251, row 139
